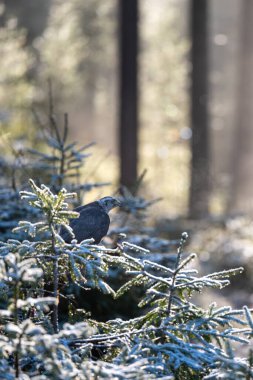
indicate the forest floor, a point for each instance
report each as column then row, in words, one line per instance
column 220, row 244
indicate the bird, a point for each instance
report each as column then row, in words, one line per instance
column 93, row 221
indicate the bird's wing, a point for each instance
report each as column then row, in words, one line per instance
column 93, row 222
column 74, row 223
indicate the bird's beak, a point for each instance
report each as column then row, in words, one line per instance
column 118, row 203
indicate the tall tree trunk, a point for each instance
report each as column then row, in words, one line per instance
column 128, row 93
column 241, row 199
column 200, row 171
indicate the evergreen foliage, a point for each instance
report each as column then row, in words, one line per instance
column 56, row 162
column 174, row 339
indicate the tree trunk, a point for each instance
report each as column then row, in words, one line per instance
column 241, row 200
column 128, row 93
column 200, row 171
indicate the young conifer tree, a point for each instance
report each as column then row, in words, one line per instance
column 174, row 339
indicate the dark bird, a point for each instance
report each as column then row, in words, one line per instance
column 93, row 221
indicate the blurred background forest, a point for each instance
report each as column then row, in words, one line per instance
column 163, row 85
column 191, row 60
column 76, row 45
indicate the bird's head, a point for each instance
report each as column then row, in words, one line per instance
column 108, row 203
